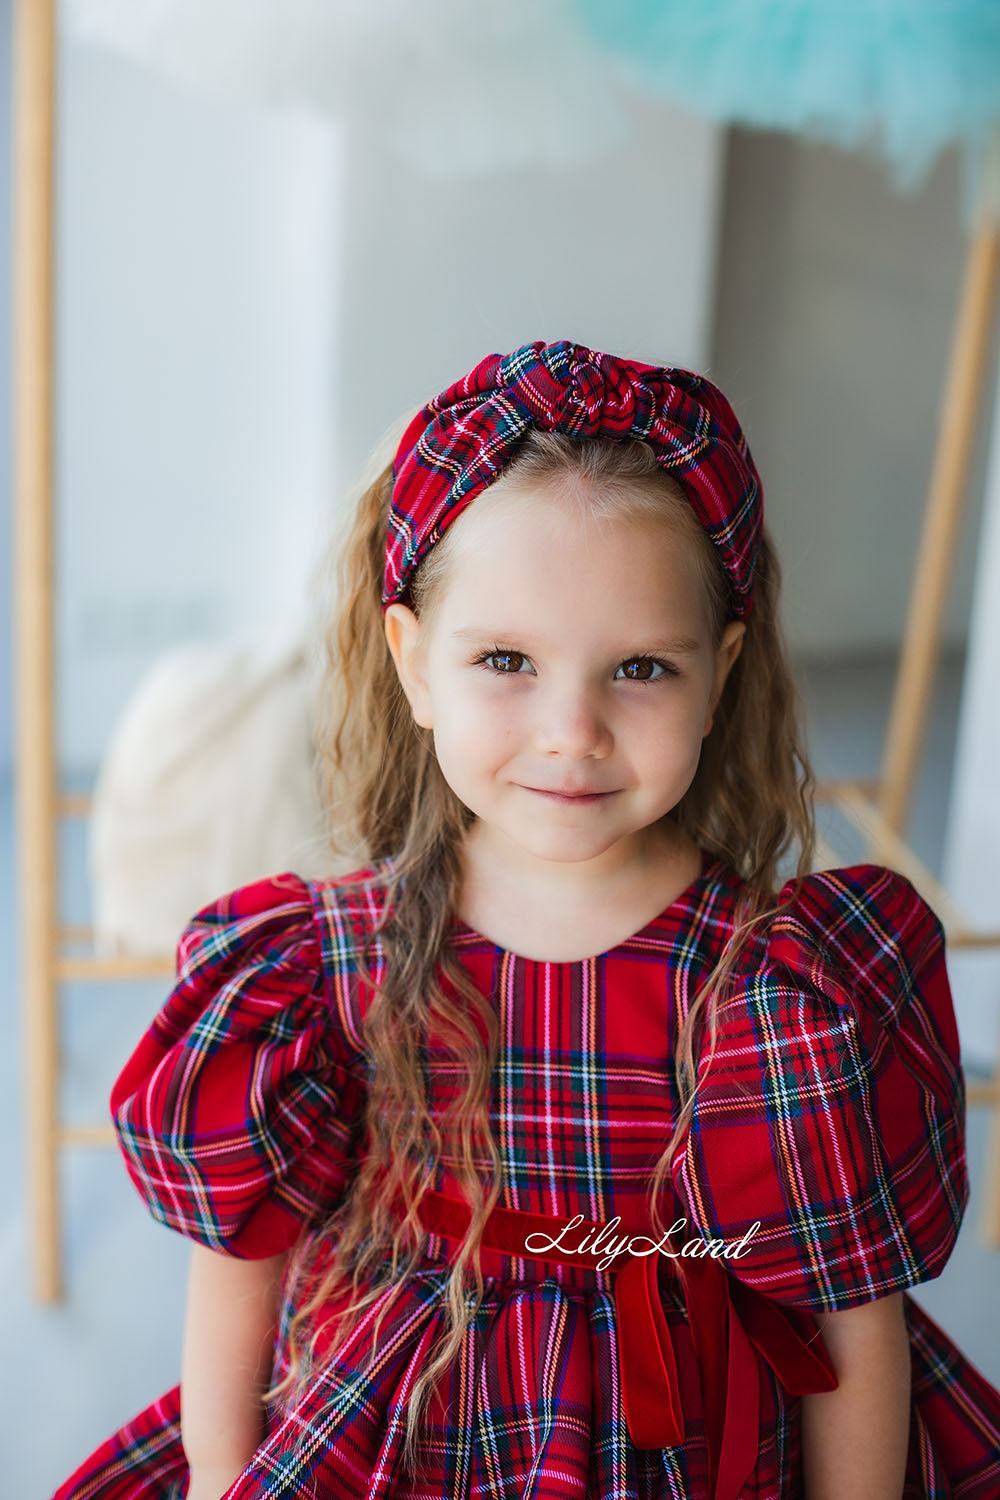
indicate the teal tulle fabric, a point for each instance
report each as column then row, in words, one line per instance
column 905, row 76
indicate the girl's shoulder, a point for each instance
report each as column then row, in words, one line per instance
column 859, row 932
column 239, row 1110
column 346, row 911
column 831, row 1112
column 320, row 924
column 855, row 929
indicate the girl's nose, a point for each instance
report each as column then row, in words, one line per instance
column 572, row 724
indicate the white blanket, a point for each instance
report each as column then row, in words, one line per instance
column 208, row 783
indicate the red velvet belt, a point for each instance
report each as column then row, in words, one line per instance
column 728, row 1320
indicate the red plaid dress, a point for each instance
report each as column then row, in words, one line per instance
column 832, row 1118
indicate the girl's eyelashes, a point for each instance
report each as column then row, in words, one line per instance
column 501, row 654
column 653, row 661
column 513, row 661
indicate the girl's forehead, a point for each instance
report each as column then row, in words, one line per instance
column 535, row 559
column 568, row 509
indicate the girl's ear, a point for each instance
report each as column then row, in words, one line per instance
column 726, row 653
column 403, row 637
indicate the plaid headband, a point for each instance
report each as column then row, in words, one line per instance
column 460, row 442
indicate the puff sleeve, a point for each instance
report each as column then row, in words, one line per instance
column 237, row 1111
column 832, row 1115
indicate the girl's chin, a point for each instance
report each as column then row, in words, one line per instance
column 564, row 845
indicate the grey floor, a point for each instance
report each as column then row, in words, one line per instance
column 75, row 1371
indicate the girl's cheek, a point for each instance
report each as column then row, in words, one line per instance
column 476, row 736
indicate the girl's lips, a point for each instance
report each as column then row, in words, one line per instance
column 570, row 796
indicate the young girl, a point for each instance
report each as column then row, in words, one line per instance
column 559, row 1150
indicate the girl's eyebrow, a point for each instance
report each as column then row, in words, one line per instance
column 681, row 645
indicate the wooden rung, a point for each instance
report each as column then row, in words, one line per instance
column 986, row 1092
column 870, row 821
column 867, row 818
column 120, row 966
column 74, row 804
column 75, row 935
column 964, row 938
column 832, row 791
column 825, row 856
column 87, row 1135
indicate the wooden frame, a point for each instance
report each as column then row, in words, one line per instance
column 39, row 805
column 879, row 810
column 34, row 90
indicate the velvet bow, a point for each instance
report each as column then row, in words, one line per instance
column 732, row 1326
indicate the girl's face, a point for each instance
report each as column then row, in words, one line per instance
column 567, row 673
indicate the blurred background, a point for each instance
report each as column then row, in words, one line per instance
column 252, row 283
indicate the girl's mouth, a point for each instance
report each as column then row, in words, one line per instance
column 569, row 796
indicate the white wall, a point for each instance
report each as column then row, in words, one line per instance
column 198, row 247
column 6, row 520
column 833, row 325
column 618, row 254
column 971, row 850
column 246, row 301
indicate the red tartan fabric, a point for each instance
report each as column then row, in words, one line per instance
column 467, row 435
column 731, row 1327
column 832, row 1115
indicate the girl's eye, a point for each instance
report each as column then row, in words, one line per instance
column 646, row 666
column 510, row 662
column 635, row 668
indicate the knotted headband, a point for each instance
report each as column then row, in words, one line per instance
column 463, row 439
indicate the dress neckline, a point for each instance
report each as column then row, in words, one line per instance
column 468, row 937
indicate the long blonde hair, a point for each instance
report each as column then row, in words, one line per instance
column 750, row 803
